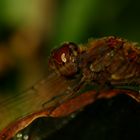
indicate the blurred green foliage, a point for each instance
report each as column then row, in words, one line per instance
column 79, row 20
column 83, row 19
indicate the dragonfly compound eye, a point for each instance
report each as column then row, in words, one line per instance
column 64, row 59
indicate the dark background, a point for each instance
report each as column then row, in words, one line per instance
column 115, row 119
column 112, row 119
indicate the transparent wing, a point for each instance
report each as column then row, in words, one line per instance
column 33, row 99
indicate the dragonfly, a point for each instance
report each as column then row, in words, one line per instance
column 110, row 64
column 107, row 60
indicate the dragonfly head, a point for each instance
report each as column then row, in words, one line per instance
column 64, row 59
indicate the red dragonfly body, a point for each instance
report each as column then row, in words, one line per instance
column 104, row 62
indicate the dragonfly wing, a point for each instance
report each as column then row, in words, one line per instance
column 33, row 99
